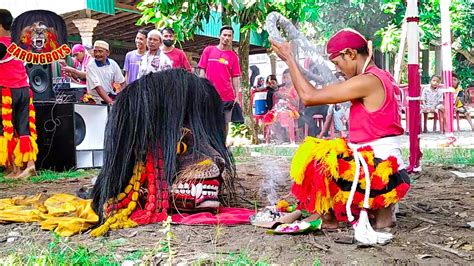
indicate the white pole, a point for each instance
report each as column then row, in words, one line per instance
column 447, row 69
column 401, row 51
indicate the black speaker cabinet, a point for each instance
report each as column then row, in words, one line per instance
column 41, row 81
column 70, row 135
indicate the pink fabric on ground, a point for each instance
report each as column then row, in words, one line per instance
column 224, row 216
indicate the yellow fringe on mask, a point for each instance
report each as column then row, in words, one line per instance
column 120, row 219
column 205, row 162
column 28, row 154
column 117, row 221
column 3, row 151
column 323, row 151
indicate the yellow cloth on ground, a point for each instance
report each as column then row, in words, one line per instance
column 64, row 213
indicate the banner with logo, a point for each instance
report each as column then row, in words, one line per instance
column 39, row 37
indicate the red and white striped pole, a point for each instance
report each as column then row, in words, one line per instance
column 414, row 87
column 447, row 69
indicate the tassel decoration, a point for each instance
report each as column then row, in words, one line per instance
column 7, row 111
column 26, row 150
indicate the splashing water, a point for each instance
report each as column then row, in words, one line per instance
column 317, row 69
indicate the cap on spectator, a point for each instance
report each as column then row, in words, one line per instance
column 101, row 44
column 77, row 48
column 155, row 32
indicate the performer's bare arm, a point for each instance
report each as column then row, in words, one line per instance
column 236, row 86
column 103, row 95
column 75, row 73
column 358, row 87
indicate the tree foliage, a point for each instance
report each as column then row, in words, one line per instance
column 379, row 20
column 187, row 16
column 462, row 17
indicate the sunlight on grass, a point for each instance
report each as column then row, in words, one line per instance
column 59, row 252
column 48, row 176
column 4, row 180
column 447, row 156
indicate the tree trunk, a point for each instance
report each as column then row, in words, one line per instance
column 469, row 56
column 244, row 48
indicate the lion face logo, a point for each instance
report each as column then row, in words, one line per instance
column 39, row 38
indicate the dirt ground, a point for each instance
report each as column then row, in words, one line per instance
column 431, row 229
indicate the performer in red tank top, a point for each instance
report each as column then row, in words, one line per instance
column 374, row 127
column 17, row 121
column 385, row 121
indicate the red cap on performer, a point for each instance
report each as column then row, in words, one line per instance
column 343, row 39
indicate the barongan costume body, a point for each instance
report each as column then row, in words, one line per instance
column 170, row 157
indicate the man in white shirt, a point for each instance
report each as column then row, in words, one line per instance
column 102, row 73
column 154, row 59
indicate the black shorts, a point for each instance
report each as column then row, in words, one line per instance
column 20, row 111
column 233, row 112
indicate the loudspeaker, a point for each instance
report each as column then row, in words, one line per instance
column 70, row 135
column 90, row 121
column 41, row 81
